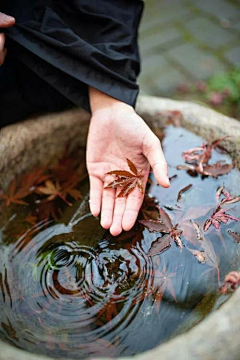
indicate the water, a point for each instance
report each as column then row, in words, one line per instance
column 70, row 289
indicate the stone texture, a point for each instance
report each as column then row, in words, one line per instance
column 209, row 33
column 159, row 39
column 200, row 64
column 194, row 32
column 38, row 141
column 222, row 9
column 233, row 55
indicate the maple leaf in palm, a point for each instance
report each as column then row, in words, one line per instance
column 125, row 180
column 14, row 195
column 163, row 225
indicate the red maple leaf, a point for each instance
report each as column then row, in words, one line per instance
column 232, row 281
column 125, row 180
column 14, row 195
column 163, row 225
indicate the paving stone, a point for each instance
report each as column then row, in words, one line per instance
column 162, row 81
column 199, row 64
column 209, row 33
column 218, row 8
column 161, row 17
column 152, row 63
column 236, row 25
column 159, row 39
column 233, row 55
column 168, row 81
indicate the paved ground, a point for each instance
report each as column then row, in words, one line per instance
column 182, row 41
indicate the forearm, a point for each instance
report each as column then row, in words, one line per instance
column 100, row 101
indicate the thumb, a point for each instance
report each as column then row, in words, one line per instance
column 6, row 21
column 152, row 150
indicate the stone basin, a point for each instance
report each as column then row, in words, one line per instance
column 38, row 141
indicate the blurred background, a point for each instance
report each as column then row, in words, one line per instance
column 190, row 50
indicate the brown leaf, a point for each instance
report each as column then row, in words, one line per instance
column 164, row 217
column 132, row 167
column 198, row 231
column 53, row 191
column 161, row 244
column 200, row 255
column 125, row 180
column 154, row 225
column 235, row 235
column 232, row 280
column 14, row 195
column 182, row 191
column 218, row 216
column 217, row 169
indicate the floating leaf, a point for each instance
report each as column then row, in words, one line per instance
column 182, row 191
column 217, row 169
column 161, row 244
column 235, row 235
column 201, row 153
column 200, row 255
column 125, row 180
column 218, row 216
column 232, row 281
column 163, row 224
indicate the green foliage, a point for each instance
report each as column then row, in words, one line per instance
column 228, row 84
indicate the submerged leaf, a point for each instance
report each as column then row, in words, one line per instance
column 14, row 195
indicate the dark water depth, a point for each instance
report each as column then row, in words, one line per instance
column 72, row 290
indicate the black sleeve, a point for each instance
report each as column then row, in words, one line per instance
column 72, row 44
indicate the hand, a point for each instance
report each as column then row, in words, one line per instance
column 5, row 22
column 116, row 132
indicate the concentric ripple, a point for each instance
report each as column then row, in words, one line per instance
column 65, row 287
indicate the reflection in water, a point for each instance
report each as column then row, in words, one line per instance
column 75, row 291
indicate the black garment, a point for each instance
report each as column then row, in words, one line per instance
column 76, row 43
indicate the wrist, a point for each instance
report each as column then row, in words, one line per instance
column 100, row 101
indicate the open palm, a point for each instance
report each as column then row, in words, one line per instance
column 114, row 135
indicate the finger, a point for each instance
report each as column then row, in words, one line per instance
column 6, row 21
column 2, row 41
column 154, row 154
column 133, row 203
column 108, row 198
column 3, row 54
column 119, row 207
column 96, row 188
